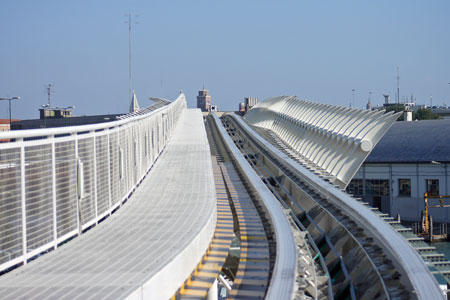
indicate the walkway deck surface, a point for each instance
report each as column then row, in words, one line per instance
column 170, row 217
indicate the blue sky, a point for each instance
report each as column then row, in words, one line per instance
column 317, row 50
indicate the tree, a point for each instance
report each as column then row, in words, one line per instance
column 396, row 108
column 424, row 114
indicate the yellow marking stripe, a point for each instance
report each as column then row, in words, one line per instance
column 189, row 292
column 245, row 237
column 224, row 234
column 201, row 284
column 207, row 274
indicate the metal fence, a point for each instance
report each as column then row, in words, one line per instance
column 54, row 183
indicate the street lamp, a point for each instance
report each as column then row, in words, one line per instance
column 9, row 99
column 353, row 97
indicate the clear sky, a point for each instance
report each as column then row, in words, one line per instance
column 317, row 50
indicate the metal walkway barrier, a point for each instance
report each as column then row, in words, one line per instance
column 162, row 232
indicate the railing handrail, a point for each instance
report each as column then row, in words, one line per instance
column 28, row 133
column 81, row 178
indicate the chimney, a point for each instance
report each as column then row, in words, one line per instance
column 407, row 116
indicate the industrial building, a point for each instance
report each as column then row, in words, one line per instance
column 410, row 160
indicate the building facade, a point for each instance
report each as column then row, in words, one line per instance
column 250, row 102
column 204, row 100
column 412, row 159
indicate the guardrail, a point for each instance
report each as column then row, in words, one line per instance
column 55, row 183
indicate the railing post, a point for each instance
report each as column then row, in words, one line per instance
column 95, row 178
column 55, row 226
column 24, row 209
column 77, row 198
column 109, row 167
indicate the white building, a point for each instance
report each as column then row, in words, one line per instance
column 410, row 160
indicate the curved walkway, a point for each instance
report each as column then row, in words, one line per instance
column 149, row 246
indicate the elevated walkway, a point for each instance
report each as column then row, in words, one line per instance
column 149, row 246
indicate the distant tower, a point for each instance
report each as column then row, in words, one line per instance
column 204, row 100
column 134, row 105
column 369, row 105
column 249, row 102
column 386, row 99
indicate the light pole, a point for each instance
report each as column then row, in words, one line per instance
column 9, row 99
column 353, row 95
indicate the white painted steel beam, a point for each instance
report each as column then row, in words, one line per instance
column 335, row 140
column 385, row 236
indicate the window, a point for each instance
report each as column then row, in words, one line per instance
column 377, row 187
column 404, row 187
column 355, row 187
column 432, row 187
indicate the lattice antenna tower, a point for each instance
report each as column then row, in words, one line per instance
column 49, row 89
column 398, row 86
column 130, row 22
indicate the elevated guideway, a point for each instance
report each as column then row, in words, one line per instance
column 363, row 254
column 141, row 209
column 147, row 248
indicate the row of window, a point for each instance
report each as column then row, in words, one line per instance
column 380, row 187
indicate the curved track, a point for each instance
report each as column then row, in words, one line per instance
column 386, row 256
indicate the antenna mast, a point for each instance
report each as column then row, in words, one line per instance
column 398, row 86
column 49, row 93
column 129, row 22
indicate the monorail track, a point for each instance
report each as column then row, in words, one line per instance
column 351, row 262
column 266, row 269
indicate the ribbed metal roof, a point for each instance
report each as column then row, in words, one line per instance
column 414, row 142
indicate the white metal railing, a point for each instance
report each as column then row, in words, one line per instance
column 56, row 182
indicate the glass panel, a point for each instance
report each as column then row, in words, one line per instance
column 377, row 187
column 404, row 187
column 355, row 187
column 432, row 187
